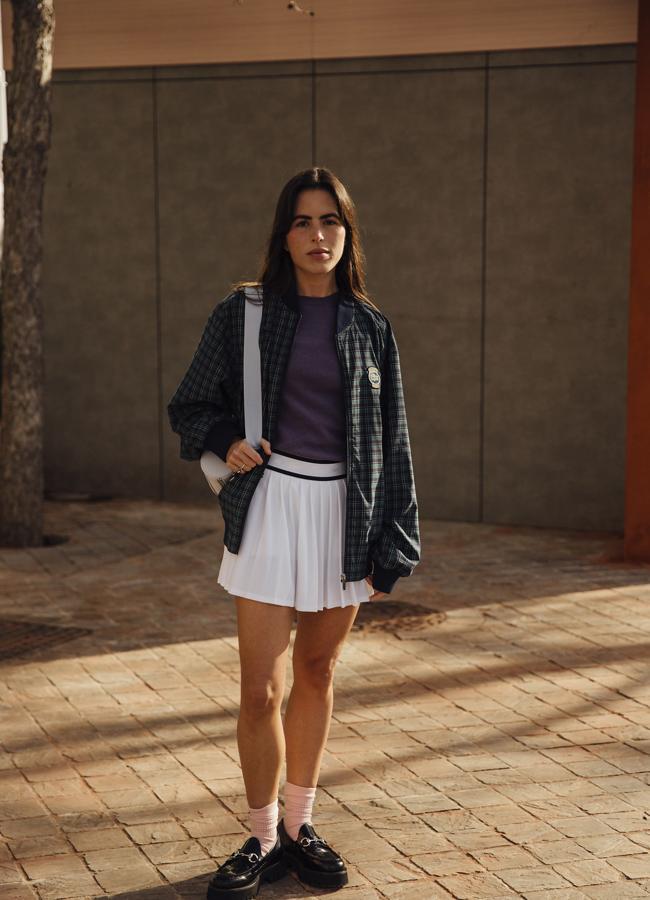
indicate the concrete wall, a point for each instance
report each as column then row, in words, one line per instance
column 494, row 196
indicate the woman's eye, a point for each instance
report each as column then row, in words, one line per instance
column 326, row 222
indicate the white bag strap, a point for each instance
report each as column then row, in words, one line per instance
column 252, row 366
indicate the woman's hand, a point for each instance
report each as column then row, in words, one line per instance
column 241, row 457
column 377, row 594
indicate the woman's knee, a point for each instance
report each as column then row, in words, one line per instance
column 315, row 671
column 260, row 698
column 263, row 635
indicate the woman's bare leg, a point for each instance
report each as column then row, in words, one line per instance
column 319, row 640
column 264, row 631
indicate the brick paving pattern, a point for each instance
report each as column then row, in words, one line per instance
column 499, row 750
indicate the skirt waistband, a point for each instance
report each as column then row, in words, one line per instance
column 303, row 468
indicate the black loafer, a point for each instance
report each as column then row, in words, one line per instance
column 312, row 858
column 239, row 877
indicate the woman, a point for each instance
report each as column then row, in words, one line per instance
column 318, row 519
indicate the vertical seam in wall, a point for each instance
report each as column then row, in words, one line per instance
column 313, row 112
column 481, row 452
column 156, row 208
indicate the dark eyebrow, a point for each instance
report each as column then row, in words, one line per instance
column 326, row 216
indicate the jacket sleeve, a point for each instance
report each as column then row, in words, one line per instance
column 200, row 410
column 397, row 551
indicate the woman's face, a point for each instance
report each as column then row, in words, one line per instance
column 316, row 225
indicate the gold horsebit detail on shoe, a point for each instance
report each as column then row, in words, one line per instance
column 305, row 841
column 251, row 857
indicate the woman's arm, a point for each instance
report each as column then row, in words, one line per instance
column 397, row 551
column 200, row 410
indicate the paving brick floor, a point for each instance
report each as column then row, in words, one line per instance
column 499, row 749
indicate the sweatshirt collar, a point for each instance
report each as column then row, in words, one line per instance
column 345, row 307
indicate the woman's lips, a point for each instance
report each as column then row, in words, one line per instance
column 319, row 254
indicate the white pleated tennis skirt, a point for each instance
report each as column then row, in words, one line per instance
column 291, row 552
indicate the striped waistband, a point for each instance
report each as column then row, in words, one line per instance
column 303, row 468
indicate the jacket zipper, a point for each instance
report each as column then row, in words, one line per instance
column 284, row 376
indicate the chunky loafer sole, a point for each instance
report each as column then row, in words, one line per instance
column 247, row 891
column 317, row 878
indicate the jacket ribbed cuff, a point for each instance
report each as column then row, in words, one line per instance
column 221, row 436
column 383, row 579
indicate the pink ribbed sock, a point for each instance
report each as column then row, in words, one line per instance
column 264, row 824
column 298, row 804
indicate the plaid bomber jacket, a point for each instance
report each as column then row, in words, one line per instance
column 381, row 524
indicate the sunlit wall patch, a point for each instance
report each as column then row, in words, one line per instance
column 374, row 377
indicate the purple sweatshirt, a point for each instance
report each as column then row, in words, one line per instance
column 311, row 417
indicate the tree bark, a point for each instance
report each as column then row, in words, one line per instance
column 24, row 167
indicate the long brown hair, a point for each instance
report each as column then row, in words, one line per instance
column 277, row 273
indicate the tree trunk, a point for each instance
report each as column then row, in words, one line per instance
column 25, row 167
